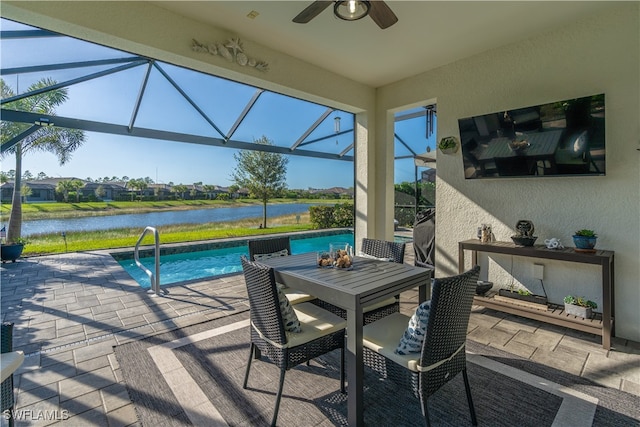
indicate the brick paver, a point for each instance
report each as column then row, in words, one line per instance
column 70, row 310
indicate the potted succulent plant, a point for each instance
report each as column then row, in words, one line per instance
column 579, row 306
column 11, row 251
column 585, row 240
column 448, row 145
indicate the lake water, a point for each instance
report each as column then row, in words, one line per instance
column 155, row 219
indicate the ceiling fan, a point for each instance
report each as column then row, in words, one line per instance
column 351, row 10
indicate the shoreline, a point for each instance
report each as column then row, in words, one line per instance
column 39, row 211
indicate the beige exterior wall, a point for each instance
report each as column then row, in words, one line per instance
column 590, row 56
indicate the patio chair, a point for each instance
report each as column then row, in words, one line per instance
column 381, row 249
column 320, row 331
column 424, row 238
column 11, row 360
column 277, row 246
column 441, row 355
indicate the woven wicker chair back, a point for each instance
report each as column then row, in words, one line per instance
column 263, row 301
column 451, row 301
column 7, row 385
column 268, row 246
column 384, row 249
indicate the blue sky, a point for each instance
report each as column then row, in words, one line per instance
column 112, row 98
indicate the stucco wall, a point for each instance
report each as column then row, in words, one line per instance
column 591, row 56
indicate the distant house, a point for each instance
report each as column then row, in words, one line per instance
column 161, row 191
column 333, row 192
column 111, row 190
column 40, row 191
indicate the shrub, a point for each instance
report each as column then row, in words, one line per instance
column 340, row 215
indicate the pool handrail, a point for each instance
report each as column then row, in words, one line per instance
column 153, row 277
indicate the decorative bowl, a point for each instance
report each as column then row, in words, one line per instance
column 342, row 259
column 518, row 146
column 324, row 260
column 524, row 240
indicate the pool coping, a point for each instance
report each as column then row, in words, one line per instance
column 199, row 245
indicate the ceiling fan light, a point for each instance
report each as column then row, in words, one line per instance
column 351, row 10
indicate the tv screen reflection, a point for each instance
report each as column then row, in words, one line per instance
column 564, row 138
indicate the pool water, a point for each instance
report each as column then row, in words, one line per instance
column 187, row 266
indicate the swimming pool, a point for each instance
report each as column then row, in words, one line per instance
column 221, row 260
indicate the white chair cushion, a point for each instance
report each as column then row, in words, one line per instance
column 382, row 336
column 10, row 363
column 315, row 322
column 297, row 297
column 380, row 304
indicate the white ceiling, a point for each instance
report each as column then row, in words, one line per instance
column 428, row 34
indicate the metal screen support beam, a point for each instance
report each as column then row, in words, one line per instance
column 91, row 126
column 244, row 113
column 405, row 145
column 189, row 100
column 28, row 34
column 143, row 86
column 8, row 145
column 68, row 65
column 312, row 128
column 333, row 135
column 71, row 82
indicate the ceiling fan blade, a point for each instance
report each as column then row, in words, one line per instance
column 311, row 11
column 382, row 14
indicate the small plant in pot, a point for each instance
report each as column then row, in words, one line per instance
column 448, row 145
column 585, row 240
column 11, row 251
column 579, row 306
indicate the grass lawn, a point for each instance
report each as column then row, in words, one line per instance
column 127, row 237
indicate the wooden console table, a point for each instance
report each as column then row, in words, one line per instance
column 600, row 325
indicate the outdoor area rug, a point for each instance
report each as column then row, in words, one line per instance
column 193, row 376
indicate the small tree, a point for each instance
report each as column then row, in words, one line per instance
column 76, row 184
column 263, row 173
column 64, row 187
column 26, row 191
column 181, row 189
column 209, row 189
column 100, row 192
column 138, row 184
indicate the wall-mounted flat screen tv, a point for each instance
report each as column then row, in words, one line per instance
column 564, row 138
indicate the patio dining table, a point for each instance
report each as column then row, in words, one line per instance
column 542, row 147
column 368, row 282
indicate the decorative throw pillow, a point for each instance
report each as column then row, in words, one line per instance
column 413, row 337
column 260, row 257
column 363, row 255
column 291, row 322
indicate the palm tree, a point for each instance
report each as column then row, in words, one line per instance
column 62, row 142
column 64, row 187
